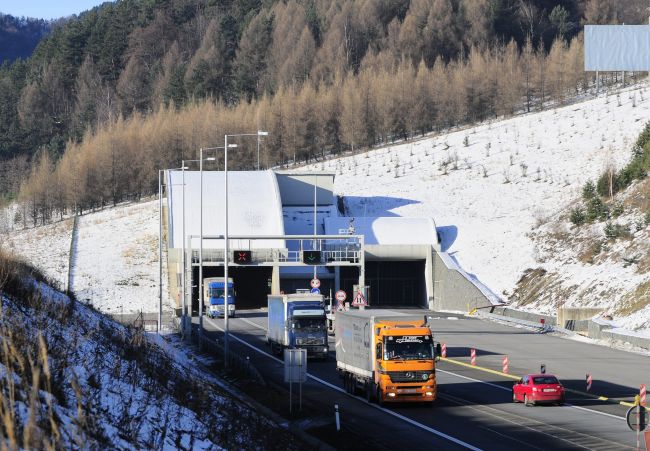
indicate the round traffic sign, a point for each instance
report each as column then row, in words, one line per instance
column 315, row 283
column 341, row 296
column 637, row 418
column 315, row 290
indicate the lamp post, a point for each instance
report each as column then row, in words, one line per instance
column 225, row 234
column 259, row 133
column 201, row 247
column 200, row 284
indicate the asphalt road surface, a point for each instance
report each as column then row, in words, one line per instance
column 474, row 409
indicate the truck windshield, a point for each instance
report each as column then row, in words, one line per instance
column 309, row 323
column 408, row 347
column 216, row 292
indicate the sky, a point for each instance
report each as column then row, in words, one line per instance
column 46, row 9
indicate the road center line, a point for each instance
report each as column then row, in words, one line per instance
column 339, row 389
column 508, row 390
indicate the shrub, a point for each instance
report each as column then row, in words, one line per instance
column 607, row 178
column 613, row 231
column 578, row 216
column 588, row 191
column 617, row 209
column 596, row 209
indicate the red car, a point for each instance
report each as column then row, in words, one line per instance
column 538, row 389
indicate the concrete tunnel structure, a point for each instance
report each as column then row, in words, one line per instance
column 404, row 266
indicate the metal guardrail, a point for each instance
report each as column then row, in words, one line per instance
column 332, row 250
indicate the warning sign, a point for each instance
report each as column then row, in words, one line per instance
column 359, row 300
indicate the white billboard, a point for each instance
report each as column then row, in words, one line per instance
column 617, row 47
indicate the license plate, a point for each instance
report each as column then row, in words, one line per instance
column 407, row 390
column 549, row 390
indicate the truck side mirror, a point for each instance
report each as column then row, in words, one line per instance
column 378, row 351
column 438, row 351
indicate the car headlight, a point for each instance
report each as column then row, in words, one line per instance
column 425, row 376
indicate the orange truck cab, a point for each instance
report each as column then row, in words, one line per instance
column 385, row 355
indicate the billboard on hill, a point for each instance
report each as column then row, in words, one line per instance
column 617, row 47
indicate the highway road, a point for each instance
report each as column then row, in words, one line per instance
column 475, row 409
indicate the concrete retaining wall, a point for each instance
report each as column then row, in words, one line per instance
column 634, row 340
column 526, row 316
column 576, row 318
column 453, row 289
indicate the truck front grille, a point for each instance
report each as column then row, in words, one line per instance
column 310, row 341
column 408, row 376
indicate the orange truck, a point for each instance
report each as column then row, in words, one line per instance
column 387, row 356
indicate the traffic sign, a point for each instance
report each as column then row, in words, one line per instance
column 359, row 300
column 242, row 257
column 341, row 296
column 311, row 257
column 315, row 290
column 315, row 283
column 636, row 418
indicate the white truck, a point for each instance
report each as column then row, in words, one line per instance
column 297, row 321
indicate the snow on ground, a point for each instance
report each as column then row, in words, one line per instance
column 117, row 259
column 116, row 267
column 111, row 388
column 46, row 248
column 488, row 186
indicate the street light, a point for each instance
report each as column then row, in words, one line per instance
column 200, row 285
column 201, row 246
column 259, row 133
column 225, row 234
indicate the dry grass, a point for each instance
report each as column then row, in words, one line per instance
column 47, row 403
column 635, row 301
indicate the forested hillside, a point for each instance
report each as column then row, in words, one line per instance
column 130, row 87
column 19, row 36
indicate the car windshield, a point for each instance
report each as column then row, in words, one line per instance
column 540, row 380
column 408, row 347
column 309, row 323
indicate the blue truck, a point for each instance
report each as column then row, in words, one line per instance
column 297, row 321
column 213, row 295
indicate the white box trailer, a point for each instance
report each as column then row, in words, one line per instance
column 297, row 321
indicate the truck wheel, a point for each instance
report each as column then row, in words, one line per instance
column 370, row 391
column 378, row 396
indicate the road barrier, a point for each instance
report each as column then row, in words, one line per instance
column 505, row 364
column 589, row 381
column 444, row 351
column 473, row 357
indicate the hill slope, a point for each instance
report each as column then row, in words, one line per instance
column 71, row 378
column 490, row 187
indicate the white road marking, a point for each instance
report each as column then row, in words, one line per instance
column 339, row 389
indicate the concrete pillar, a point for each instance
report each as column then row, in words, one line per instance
column 275, row 280
column 337, row 278
column 428, row 278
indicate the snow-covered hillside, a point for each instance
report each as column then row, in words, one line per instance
column 116, row 257
column 489, row 186
column 71, row 378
